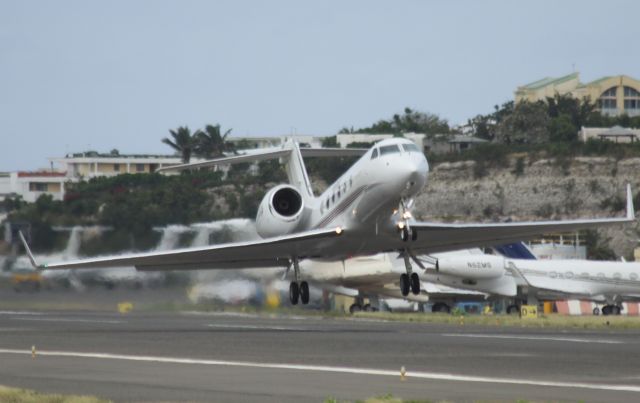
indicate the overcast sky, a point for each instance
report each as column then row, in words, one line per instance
column 79, row 75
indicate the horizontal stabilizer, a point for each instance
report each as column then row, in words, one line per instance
column 237, row 159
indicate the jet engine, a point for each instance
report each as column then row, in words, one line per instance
column 280, row 211
column 472, row 266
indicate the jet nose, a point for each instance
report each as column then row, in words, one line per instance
column 414, row 174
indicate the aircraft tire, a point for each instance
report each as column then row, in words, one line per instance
column 404, row 284
column 415, row 284
column 294, row 293
column 596, row 311
column 304, row 292
column 616, row 310
column 354, row 308
column 607, row 310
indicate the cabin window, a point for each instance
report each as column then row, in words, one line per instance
column 327, row 203
column 350, row 182
column 389, row 149
column 410, row 147
column 374, row 154
column 617, row 276
column 344, row 188
column 633, row 276
column 601, row 275
column 585, row 275
column 568, row 274
column 553, row 274
column 333, row 198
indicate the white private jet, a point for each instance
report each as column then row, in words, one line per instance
column 525, row 277
column 375, row 277
column 366, row 211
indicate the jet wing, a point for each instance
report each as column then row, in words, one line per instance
column 271, row 252
column 438, row 237
column 530, row 272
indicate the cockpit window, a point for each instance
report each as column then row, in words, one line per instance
column 389, row 149
column 410, row 147
column 374, row 154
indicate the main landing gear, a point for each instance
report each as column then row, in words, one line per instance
column 409, row 281
column 298, row 290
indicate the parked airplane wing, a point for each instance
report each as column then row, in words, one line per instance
column 437, row 237
column 272, row 252
column 539, row 279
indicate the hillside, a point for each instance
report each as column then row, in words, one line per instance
column 531, row 190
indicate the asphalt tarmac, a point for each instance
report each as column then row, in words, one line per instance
column 240, row 358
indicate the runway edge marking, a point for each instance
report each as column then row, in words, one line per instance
column 321, row 368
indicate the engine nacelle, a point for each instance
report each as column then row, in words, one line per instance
column 280, row 211
column 472, row 266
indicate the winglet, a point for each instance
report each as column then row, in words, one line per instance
column 631, row 213
column 26, row 247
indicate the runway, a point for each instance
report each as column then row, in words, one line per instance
column 239, row 358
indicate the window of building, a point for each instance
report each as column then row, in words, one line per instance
column 374, row 154
column 631, row 98
column 116, row 167
column 38, row 187
column 608, row 99
column 389, row 149
column 139, row 167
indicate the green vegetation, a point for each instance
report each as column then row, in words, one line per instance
column 208, row 143
column 15, row 395
column 409, row 122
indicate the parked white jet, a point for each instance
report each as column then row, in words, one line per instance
column 376, row 276
column 366, row 211
column 600, row 281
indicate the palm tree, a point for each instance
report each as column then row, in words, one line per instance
column 183, row 141
column 210, row 143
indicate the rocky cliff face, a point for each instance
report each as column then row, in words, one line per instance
column 534, row 190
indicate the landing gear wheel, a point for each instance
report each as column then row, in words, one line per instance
column 354, row 308
column 606, row 310
column 304, row 293
column 596, row 311
column 404, row 284
column 294, row 293
column 415, row 284
column 616, row 310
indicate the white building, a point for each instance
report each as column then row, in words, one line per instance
column 617, row 134
column 30, row 185
column 92, row 164
column 275, row 141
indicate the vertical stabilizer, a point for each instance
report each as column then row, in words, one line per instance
column 296, row 171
